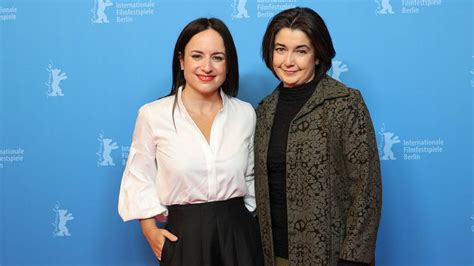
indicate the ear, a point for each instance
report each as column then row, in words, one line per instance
column 317, row 61
column 181, row 60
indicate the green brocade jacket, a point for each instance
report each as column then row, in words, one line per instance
column 334, row 191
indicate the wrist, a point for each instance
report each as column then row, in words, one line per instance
column 148, row 226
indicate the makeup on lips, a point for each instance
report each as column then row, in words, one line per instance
column 205, row 77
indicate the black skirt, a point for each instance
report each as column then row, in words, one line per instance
column 220, row 233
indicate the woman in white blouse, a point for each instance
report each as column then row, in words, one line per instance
column 191, row 159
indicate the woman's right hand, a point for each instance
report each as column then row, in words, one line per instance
column 156, row 237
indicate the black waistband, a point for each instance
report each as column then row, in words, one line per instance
column 211, row 204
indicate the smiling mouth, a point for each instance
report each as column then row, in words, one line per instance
column 205, row 78
column 289, row 72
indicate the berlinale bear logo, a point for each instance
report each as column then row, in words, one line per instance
column 383, row 7
column 337, row 69
column 106, row 146
column 61, row 218
column 239, row 9
column 388, row 140
column 55, row 77
column 98, row 11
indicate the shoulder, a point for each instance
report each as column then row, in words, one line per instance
column 351, row 107
column 269, row 98
column 238, row 105
column 159, row 105
column 241, row 111
column 339, row 92
column 354, row 98
column 267, row 101
column 156, row 109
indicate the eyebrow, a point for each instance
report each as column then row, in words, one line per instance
column 297, row 47
column 201, row 52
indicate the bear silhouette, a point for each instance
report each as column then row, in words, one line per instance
column 64, row 217
column 385, row 7
column 101, row 6
column 108, row 147
column 389, row 140
column 241, row 10
column 56, row 76
column 337, row 69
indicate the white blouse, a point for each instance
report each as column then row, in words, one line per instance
column 174, row 164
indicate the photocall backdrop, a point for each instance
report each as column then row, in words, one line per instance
column 74, row 73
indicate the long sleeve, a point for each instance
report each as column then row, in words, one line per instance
column 363, row 168
column 139, row 196
column 249, row 199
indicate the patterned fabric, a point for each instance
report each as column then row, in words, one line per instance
column 333, row 178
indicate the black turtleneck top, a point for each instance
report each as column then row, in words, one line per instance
column 290, row 102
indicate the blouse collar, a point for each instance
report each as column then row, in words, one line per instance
column 224, row 98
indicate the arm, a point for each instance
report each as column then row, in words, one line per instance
column 139, row 198
column 363, row 169
column 249, row 173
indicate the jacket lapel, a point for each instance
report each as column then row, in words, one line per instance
column 327, row 88
column 269, row 104
column 266, row 115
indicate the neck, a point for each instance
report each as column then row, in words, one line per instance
column 197, row 102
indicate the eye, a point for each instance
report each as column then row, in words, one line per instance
column 218, row 58
column 301, row 52
column 279, row 50
column 196, row 56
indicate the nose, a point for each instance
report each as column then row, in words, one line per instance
column 288, row 59
column 207, row 65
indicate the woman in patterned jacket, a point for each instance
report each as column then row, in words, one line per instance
column 317, row 171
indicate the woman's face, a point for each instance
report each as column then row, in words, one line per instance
column 294, row 57
column 204, row 62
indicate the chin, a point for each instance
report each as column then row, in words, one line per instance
column 290, row 83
